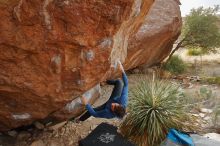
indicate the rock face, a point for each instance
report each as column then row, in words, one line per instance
column 155, row 37
column 53, row 51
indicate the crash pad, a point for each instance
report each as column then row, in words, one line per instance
column 105, row 135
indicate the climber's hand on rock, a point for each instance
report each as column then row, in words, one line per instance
column 83, row 100
column 121, row 67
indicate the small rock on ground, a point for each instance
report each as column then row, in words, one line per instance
column 12, row 133
column 57, row 126
column 38, row 143
column 38, row 125
column 23, row 135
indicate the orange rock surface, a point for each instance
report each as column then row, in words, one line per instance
column 155, row 37
column 53, row 51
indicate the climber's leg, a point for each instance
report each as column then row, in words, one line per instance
column 85, row 116
column 118, row 86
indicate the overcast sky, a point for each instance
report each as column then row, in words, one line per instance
column 187, row 5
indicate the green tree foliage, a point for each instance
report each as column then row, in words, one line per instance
column 200, row 30
column 195, row 52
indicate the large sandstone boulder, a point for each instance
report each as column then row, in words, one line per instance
column 154, row 39
column 53, row 51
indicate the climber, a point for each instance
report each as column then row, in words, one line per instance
column 115, row 106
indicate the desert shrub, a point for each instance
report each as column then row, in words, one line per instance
column 175, row 65
column 154, row 107
column 206, row 93
column 211, row 80
column 195, row 52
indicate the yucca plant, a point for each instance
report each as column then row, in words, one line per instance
column 154, row 107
